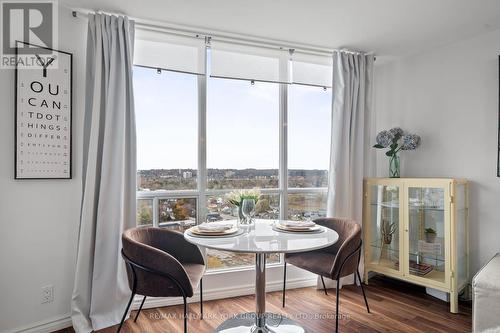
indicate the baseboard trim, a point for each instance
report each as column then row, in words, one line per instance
column 221, row 293
column 59, row 323
column 45, row 326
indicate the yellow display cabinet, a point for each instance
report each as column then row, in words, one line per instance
column 416, row 230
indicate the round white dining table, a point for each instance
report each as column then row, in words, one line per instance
column 261, row 238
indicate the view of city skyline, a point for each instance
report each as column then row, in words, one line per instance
column 186, row 179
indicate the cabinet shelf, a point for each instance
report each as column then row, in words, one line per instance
column 435, row 275
column 412, row 207
column 426, row 257
column 385, row 263
column 386, row 204
column 378, row 245
column 423, row 256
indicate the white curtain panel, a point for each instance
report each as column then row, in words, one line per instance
column 350, row 154
column 109, row 171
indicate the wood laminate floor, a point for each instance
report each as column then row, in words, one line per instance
column 395, row 307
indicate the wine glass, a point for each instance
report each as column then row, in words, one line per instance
column 248, row 209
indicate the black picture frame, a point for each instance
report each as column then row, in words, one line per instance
column 70, row 173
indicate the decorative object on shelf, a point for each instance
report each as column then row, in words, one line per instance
column 387, row 230
column 237, row 198
column 43, row 115
column 396, row 140
column 430, row 235
column 416, row 268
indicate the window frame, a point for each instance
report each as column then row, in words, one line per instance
column 202, row 192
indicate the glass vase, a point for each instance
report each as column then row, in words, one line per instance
column 394, row 166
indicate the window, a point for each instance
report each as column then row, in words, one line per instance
column 242, row 136
column 166, row 106
column 177, row 211
column 306, row 206
column 144, row 212
column 309, row 110
column 208, row 123
column 309, row 136
column 242, row 153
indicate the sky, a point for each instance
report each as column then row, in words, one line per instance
column 242, row 123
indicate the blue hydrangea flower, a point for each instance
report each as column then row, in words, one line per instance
column 384, row 138
column 410, row 142
column 396, row 131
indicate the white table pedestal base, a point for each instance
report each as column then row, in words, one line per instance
column 260, row 321
column 245, row 322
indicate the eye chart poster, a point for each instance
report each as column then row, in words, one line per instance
column 43, row 116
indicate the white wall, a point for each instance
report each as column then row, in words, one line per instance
column 39, row 218
column 450, row 97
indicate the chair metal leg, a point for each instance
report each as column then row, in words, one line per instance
column 363, row 290
column 201, row 298
column 337, row 293
column 125, row 313
column 324, row 287
column 284, row 283
column 185, row 315
column 140, row 308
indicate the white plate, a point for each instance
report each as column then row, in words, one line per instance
column 315, row 229
column 237, row 232
column 197, row 231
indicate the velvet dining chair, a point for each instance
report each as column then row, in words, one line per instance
column 334, row 262
column 161, row 263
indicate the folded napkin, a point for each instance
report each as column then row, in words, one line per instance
column 298, row 224
column 215, row 226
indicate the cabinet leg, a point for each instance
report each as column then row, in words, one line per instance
column 365, row 277
column 454, row 302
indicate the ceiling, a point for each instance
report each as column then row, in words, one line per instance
column 390, row 28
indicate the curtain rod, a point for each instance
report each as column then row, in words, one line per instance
column 217, row 35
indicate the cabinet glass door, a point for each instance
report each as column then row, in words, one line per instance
column 384, row 226
column 426, row 233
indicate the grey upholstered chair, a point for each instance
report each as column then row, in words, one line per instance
column 334, row 262
column 161, row 263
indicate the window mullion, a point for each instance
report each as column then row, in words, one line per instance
column 283, row 150
column 156, row 213
column 202, row 142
